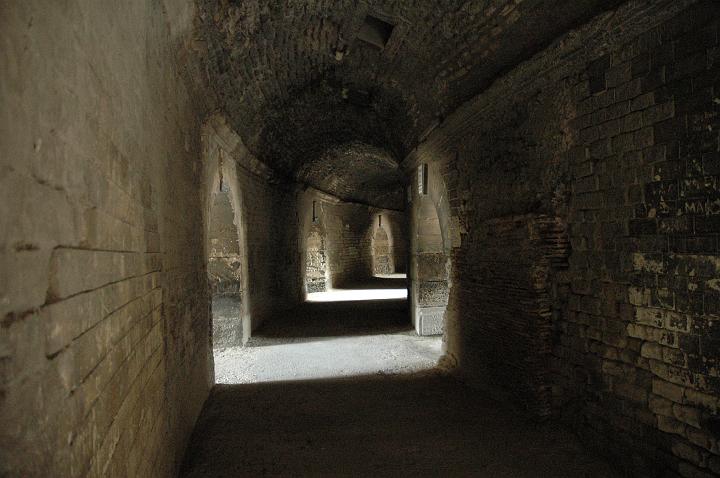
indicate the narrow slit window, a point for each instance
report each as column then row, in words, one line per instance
column 423, row 179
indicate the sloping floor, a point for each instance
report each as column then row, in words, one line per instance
column 384, row 420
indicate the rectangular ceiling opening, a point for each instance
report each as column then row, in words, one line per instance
column 375, row 31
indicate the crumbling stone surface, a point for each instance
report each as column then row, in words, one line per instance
column 224, row 269
column 382, row 258
column 225, row 259
column 315, row 262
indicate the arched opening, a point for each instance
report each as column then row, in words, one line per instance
column 430, row 256
column 316, row 261
column 382, row 250
column 225, row 271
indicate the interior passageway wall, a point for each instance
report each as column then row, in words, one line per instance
column 103, row 293
column 381, row 244
column 397, row 226
column 583, row 188
column 576, row 198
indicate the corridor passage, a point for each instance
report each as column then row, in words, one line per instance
column 360, row 238
column 357, row 330
column 346, row 388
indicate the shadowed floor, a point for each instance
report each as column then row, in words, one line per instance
column 376, row 424
column 425, row 424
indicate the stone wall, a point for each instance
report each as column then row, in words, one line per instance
column 103, row 295
column 643, row 310
column 612, row 134
column 508, row 278
column 316, row 273
column 382, row 254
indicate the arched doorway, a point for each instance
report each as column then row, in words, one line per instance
column 429, row 268
column 225, row 269
column 315, row 262
column 382, row 250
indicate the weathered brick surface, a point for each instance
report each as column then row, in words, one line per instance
column 103, row 341
column 612, row 132
column 504, row 289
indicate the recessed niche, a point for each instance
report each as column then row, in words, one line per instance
column 376, row 32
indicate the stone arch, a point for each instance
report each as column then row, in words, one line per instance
column 314, row 244
column 224, row 269
column 316, row 260
column 381, row 244
column 430, row 251
column 227, row 256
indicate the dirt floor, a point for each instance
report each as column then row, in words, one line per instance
column 393, row 416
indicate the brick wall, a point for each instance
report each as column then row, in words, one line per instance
column 643, row 311
column 612, row 131
column 508, row 278
column 103, row 350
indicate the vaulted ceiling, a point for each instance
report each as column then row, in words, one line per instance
column 336, row 93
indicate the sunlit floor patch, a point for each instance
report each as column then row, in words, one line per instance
column 360, row 330
column 396, row 275
column 343, row 295
column 328, row 357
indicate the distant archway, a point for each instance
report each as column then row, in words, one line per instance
column 429, row 268
column 225, row 269
column 382, row 250
column 316, row 262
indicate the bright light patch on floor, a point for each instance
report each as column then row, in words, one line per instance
column 340, row 295
column 319, row 358
column 366, row 331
